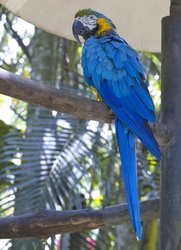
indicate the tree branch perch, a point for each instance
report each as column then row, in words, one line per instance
column 45, row 223
column 65, row 102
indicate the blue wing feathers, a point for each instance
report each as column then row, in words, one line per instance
column 131, row 70
column 116, row 43
column 99, row 69
column 112, row 53
column 130, row 80
column 145, row 96
column 128, row 115
column 108, row 64
column 121, row 72
column 113, row 68
column 123, row 87
column 140, row 128
column 118, row 63
column 130, row 51
column 135, row 63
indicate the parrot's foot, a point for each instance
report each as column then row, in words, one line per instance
column 98, row 98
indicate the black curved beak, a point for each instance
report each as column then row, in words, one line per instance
column 77, row 28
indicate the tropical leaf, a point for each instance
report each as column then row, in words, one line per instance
column 55, row 157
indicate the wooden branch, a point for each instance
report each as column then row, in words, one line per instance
column 55, row 99
column 45, row 223
column 63, row 101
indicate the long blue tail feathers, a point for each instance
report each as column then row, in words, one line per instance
column 126, row 143
column 128, row 123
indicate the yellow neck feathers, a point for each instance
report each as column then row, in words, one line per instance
column 103, row 26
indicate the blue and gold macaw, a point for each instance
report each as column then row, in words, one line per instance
column 112, row 67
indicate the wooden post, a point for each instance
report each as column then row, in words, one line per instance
column 170, row 218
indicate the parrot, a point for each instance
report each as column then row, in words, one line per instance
column 111, row 67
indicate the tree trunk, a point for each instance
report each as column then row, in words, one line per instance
column 170, row 219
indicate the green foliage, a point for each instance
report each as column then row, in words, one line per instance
column 154, row 78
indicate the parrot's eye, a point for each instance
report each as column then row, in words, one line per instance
column 92, row 18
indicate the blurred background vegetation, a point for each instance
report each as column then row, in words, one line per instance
column 55, row 161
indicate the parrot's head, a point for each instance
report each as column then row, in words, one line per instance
column 89, row 23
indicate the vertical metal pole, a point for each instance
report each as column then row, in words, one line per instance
column 170, row 218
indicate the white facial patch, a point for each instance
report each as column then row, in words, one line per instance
column 89, row 21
